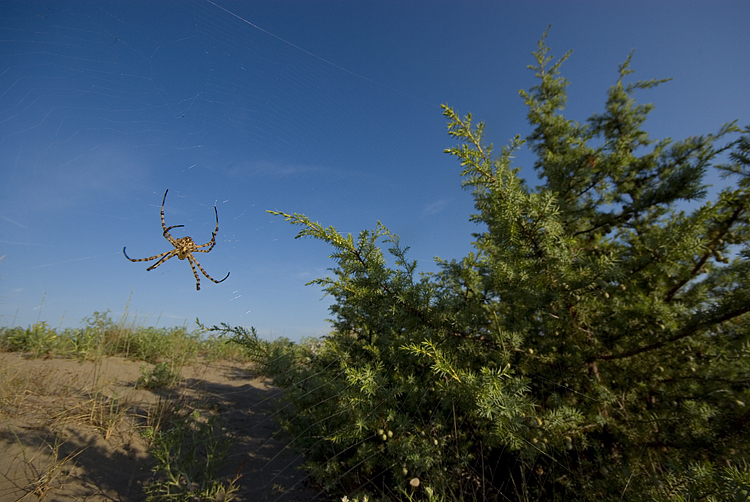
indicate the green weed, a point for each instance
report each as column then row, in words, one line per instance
column 188, row 456
column 100, row 336
column 161, row 375
column 37, row 340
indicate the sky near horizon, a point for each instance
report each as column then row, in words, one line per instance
column 330, row 109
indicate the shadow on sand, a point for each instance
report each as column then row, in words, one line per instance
column 34, row 444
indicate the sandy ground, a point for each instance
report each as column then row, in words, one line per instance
column 71, row 431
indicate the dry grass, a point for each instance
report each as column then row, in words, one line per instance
column 51, row 412
column 80, row 411
column 39, row 471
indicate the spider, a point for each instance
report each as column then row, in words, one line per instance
column 183, row 248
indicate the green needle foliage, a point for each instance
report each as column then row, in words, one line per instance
column 594, row 346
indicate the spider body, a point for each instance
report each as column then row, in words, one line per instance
column 183, row 248
column 187, row 246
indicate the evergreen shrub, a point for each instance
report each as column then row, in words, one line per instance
column 595, row 345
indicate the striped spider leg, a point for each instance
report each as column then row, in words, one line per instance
column 183, row 248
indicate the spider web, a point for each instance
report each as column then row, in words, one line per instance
column 103, row 108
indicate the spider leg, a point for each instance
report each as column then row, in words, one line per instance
column 164, row 258
column 199, row 250
column 195, row 273
column 166, row 233
column 212, row 242
column 163, row 225
column 145, row 259
column 192, row 259
column 169, row 237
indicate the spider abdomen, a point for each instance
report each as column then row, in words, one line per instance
column 186, row 246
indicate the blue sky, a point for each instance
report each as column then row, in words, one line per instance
column 330, row 109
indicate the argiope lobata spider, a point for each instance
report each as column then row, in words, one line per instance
column 183, row 248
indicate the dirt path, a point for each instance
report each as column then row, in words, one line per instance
column 70, row 430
